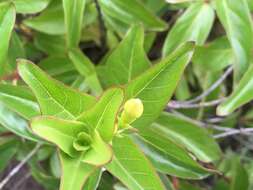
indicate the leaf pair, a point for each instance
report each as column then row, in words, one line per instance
column 71, row 118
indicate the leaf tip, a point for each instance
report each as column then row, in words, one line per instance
column 222, row 110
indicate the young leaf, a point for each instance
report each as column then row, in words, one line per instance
column 168, row 157
column 58, row 131
column 127, row 61
column 7, row 21
column 86, row 68
column 54, row 98
column 19, row 99
column 131, row 167
column 194, row 25
column 50, row 21
column 73, row 15
column 241, row 95
column 63, row 133
column 74, row 172
column 132, row 12
column 99, row 154
column 102, row 116
column 193, row 137
column 236, row 19
column 156, row 86
column 30, row 6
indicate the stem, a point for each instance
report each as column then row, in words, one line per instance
column 211, row 88
column 16, row 169
column 242, row 131
column 179, row 105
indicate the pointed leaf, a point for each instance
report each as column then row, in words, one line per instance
column 131, row 167
column 86, row 68
column 168, row 157
column 58, row 131
column 103, row 115
column 127, row 61
column 156, row 86
column 7, row 21
column 74, row 173
column 236, row 19
column 54, row 98
column 241, row 95
column 73, row 15
column 194, row 138
column 194, row 25
column 132, row 12
column 19, row 99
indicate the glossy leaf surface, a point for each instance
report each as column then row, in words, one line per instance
column 236, row 19
column 127, row 61
column 194, row 25
column 19, row 99
column 73, row 15
column 7, row 21
column 54, row 98
column 156, row 86
column 131, row 166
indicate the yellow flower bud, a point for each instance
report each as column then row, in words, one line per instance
column 133, row 109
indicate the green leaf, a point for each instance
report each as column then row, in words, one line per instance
column 8, row 148
column 56, row 65
column 58, row 131
column 156, row 86
column 131, row 167
column 132, row 12
column 168, row 157
column 54, row 98
column 7, row 21
column 30, row 6
column 74, row 172
column 236, row 19
column 99, row 154
column 19, row 99
column 15, row 123
column 189, row 135
column 51, row 45
column 241, row 95
column 102, row 116
column 50, row 21
column 93, row 181
column 87, row 69
column 73, row 15
column 194, row 25
column 213, row 57
column 16, row 50
column 127, row 61
column 240, row 178
column 63, row 133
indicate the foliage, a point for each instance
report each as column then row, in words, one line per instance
column 90, row 83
